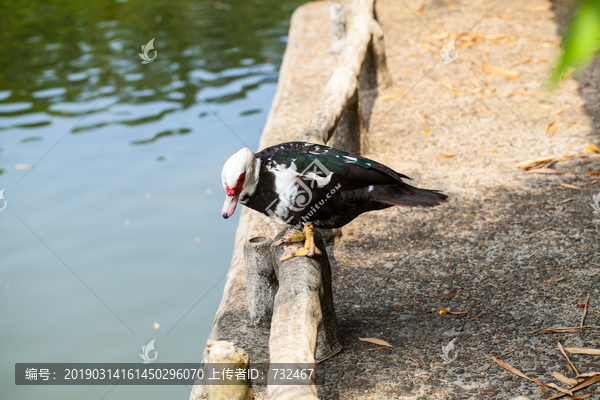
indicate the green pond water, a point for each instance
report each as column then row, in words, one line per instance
column 112, row 234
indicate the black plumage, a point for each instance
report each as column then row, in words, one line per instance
column 302, row 182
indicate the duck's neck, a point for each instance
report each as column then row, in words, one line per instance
column 251, row 181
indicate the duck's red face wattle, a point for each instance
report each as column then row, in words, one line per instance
column 233, row 195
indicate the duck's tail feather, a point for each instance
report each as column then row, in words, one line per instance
column 408, row 196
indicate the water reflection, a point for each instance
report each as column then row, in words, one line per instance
column 59, row 57
column 123, row 231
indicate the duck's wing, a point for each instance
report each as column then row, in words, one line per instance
column 317, row 161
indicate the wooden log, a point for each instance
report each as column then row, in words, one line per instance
column 303, row 307
column 361, row 67
column 261, row 282
column 337, row 19
column 384, row 79
column 223, row 352
column 338, row 92
column 350, row 134
column 304, row 326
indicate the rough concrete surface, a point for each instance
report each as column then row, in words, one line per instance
column 505, row 233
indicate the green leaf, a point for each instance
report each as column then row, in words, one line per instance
column 580, row 43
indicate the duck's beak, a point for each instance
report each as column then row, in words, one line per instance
column 229, row 206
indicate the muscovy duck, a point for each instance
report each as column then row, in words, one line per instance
column 307, row 185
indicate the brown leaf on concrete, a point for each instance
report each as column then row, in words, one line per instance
column 376, row 348
column 447, row 85
column 579, row 386
column 552, row 126
column 392, row 96
column 587, row 300
column 565, row 201
column 420, row 117
column 496, row 70
column 555, row 280
column 375, row 341
column 564, row 379
column 539, row 163
column 593, row 148
column 569, row 363
column 477, row 316
column 548, row 171
column 581, row 396
column 569, row 186
column 586, row 375
column 555, row 386
column 520, row 93
column 517, row 372
column 561, row 330
column 582, row 350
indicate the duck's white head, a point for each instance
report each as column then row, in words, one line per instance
column 239, row 177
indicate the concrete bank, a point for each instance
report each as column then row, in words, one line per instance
column 520, row 250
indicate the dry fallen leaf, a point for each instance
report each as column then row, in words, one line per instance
column 527, row 61
column 520, row 93
column 592, row 172
column 375, row 341
column 560, row 110
column 561, row 330
column 477, row 316
column 554, row 280
column 564, row 379
column 579, row 386
column 593, row 148
column 391, row 96
column 581, row 396
column 569, row 186
column 538, row 163
column 569, row 363
column 420, row 117
column 582, row 350
column 551, row 127
column 446, row 84
column 589, row 374
column 565, row 201
column 496, row 70
column 517, row 372
column 555, row 386
column 548, row 171
column 537, row 8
